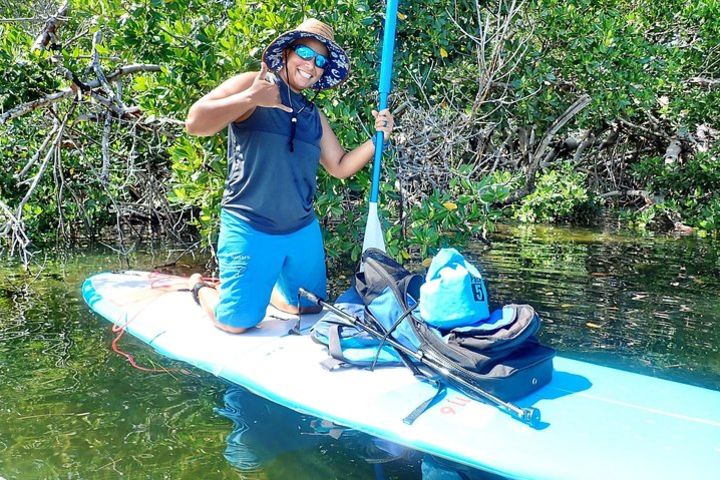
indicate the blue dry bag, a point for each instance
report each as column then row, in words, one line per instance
column 454, row 292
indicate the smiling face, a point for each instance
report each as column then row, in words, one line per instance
column 302, row 74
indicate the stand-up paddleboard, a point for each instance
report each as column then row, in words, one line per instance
column 600, row 423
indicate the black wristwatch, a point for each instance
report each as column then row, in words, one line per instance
column 196, row 289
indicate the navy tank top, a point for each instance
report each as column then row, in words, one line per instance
column 269, row 186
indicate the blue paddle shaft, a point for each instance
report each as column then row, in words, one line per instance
column 384, row 89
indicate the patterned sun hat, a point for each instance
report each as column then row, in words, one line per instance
column 338, row 67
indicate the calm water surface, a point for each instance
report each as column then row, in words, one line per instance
column 72, row 408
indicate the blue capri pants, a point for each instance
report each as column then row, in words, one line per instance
column 252, row 263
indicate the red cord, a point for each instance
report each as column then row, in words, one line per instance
column 120, row 330
column 157, row 280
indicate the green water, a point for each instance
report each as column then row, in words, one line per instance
column 72, row 408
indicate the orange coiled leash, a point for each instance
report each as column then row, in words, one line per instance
column 120, row 330
column 160, row 281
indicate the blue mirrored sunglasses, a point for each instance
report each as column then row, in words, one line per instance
column 307, row 53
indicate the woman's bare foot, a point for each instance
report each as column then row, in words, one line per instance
column 194, row 279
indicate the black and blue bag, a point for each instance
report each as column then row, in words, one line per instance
column 500, row 355
column 350, row 346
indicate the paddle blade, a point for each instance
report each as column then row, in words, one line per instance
column 374, row 237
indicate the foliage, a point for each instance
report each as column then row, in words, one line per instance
column 648, row 66
column 631, row 57
column 691, row 192
column 560, row 196
column 446, row 218
column 54, row 180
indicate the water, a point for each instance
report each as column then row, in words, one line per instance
column 72, row 408
column 648, row 305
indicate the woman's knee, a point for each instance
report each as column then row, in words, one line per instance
column 238, row 320
column 230, row 329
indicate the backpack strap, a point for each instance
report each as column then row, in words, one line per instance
column 422, row 408
column 334, row 347
column 402, row 317
column 332, row 364
column 337, row 360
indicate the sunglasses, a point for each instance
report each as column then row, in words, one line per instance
column 307, row 53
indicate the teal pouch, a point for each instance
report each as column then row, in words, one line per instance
column 454, row 293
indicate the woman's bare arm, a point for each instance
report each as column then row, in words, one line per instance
column 234, row 100
column 342, row 164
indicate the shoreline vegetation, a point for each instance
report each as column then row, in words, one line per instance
column 537, row 111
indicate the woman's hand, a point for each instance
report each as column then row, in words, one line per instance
column 384, row 122
column 265, row 93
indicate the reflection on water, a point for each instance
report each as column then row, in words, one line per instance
column 646, row 305
column 71, row 408
column 265, row 435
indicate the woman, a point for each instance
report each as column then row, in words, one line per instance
column 270, row 242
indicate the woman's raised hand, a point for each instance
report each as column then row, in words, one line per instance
column 266, row 93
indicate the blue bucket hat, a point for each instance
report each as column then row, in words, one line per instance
column 454, row 292
column 338, row 67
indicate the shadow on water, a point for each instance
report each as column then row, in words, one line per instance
column 71, row 408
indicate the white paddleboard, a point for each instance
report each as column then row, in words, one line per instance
column 601, row 423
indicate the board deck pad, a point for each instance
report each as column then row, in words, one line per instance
column 598, row 422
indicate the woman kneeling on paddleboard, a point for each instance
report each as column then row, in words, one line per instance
column 270, row 242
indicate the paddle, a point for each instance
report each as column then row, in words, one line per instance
column 373, row 230
column 528, row 415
